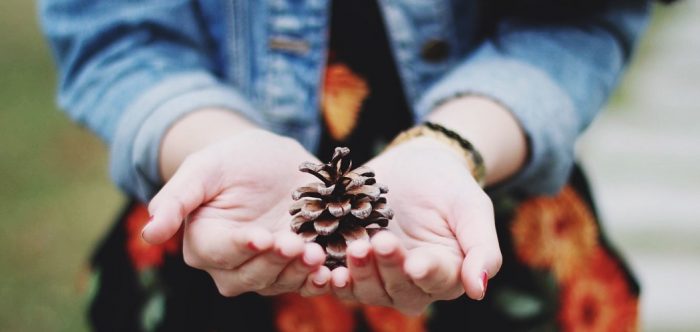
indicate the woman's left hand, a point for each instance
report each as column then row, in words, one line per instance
column 441, row 243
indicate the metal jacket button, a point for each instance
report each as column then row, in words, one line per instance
column 289, row 45
column 435, row 50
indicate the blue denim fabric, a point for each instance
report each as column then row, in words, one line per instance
column 129, row 69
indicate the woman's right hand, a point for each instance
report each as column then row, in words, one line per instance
column 234, row 197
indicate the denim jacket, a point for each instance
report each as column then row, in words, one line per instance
column 129, row 69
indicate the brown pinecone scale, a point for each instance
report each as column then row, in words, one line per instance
column 347, row 205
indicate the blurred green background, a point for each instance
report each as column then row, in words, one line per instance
column 55, row 196
column 56, row 200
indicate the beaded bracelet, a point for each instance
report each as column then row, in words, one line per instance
column 451, row 138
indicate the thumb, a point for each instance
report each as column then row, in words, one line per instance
column 476, row 233
column 190, row 187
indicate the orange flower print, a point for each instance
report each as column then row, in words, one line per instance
column 342, row 98
column 144, row 255
column 554, row 233
column 295, row 313
column 328, row 313
column 598, row 298
column 384, row 319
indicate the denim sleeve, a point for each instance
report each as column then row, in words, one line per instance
column 128, row 70
column 554, row 77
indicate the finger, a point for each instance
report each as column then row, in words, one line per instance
column 476, row 233
column 390, row 257
column 263, row 270
column 293, row 277
column 193, row 184
column 214, row 245
column 480, row 264
column 341, row 283
column 367, row 285
column 434, row 272
column 317, row 283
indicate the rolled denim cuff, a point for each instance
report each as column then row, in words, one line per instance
column 545, row 112
column 135, row 148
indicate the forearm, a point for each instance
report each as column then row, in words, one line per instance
column 196, row 131
column 552, row 77
column 491, row 128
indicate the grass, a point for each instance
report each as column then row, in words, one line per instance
column 55, row 196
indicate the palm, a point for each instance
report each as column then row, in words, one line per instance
column 423, row 199
column 254, row 182
column 440, row 212
column 420, row 228
column 235, row 194
column 238, row 206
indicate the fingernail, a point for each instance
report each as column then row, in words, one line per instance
column 484, row 284
column 341, row 285
column 384, row 251
column 306, row 260
column 359, row 262
column 360, row 256
column 252, row 246
column 318, row 281
column 416, row 273
column 286, row 252
column 143, row 231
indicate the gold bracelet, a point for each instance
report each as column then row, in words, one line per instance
column 428, row 129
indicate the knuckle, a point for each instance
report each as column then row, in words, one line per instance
column 498, row 262
column 153, row 203
column 291, row 143
column 385, row 301
column 284, row 286
column 196, row 162
column 397, row 288
column 251, row 282
column 434, row 288
column 269, row 292
column 452, row 294
column 191, row 259
column 362, row 277
column 227, row 291
column 175, row 202
column 192, row 160
column 485, row 199
column 220, row 260
column 346, row 296
column 309, row 290
column 412, row 310
column 378, row 299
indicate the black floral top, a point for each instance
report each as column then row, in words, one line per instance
column 363, row 104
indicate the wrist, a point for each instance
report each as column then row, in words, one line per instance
column 446, row 140
column 491, row 128
column 428, row 147
column 196, row 131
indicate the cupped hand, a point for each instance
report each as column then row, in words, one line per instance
column 234, row 196
column 441, row 243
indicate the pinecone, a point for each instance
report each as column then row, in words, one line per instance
column 346, row 206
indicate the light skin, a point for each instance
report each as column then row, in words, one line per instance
column 230, row 183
